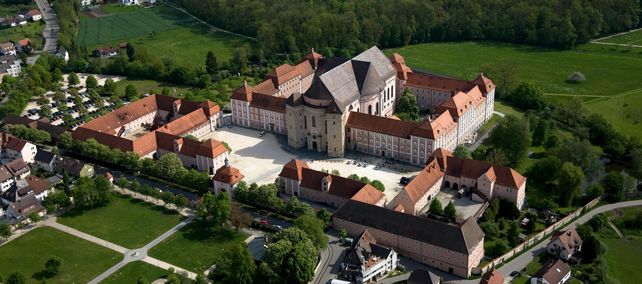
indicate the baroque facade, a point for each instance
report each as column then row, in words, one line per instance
column 333, row 105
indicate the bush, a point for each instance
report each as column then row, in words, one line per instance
column 576, row 77
column 53, row 266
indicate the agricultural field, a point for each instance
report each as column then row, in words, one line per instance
column 124, row 221
column 623, row 254
column 633, row 38
column 197, row 246
column 612, row 72
column 82, row 260
column 162, row 30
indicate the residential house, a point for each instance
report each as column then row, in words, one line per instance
column 18, row 168
column 85, row 2
column 31, row 185
column 10, row 65
column 367, row 261
column 226, row 178
column 34, row 15
column 107, row 51
column 492, row 277
column 24, row 45
column 45, row 160
column 554, row 271
column 62, row 53
column 7, row 48
column 19, row 20
column 130, row 2
column 7, row 180
column 565, row 244
column 75, row 168
column 420, row 276
column 297, row 179
column 13, row 148
column 455, row 248
column 22, row 208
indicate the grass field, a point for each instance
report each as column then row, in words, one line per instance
column 612, row 72
column 134, row 270
column 147, row 86
column 176, row 35
column 128, row 222
column 196, row 247
column 32, row 30
column 634, row 38
column 82, row 260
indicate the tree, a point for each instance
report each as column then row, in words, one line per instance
column 211, row 65
column 615, row 186
column 239, row 218
column 570, row 182
column 407, row 108
column 528, row 96
column 239, row 58
column 223, row 209
column 378, row 185
column 291, row 258
column 237, row 265
column 91, row 83
column 541, row 132
column 364, row 179
column 16, row 278
column 499, row 248
column 53, row 266
column 109, row 88
column 343, row 234
column 34, row 217
column 545, row 170
column 142, row 280
column 450, row 211
column 512, row 136
column 131, row 52
column 131, row 93
column 89, row 194
column 504, row 73
column 313, row 227
column 584, row 155
column 5, row 231
column 325, row 216
column 354, row 177
column 73, row 79
column 462, row 152
column 591, row 248
column 513, row 234
column 335, row 172
column 436, row 207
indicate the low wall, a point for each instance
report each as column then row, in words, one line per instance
column 539, row 236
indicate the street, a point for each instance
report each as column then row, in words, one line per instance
column 50, row 33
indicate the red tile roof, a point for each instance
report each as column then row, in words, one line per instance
column 293, row 169
column 15, row 144
column 283, row 73
column 398, row 128
column 431, row 81
column 492, row 277
column 569, row 239
column 474, row 169
column 24, row 42
column 271, row 103
column 418, row 187
column 228, row 174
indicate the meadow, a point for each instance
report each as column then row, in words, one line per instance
column 162, row 30
column 32, row 30
column 634, row 38
column 612, row 72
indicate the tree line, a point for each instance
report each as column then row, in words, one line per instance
column 345, row 27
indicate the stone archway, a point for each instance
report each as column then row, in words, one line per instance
column 447, row 184
column 455, row 186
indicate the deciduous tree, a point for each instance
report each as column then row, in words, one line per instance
column 570, row 181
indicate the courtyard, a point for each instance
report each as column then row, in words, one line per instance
column 261, row 159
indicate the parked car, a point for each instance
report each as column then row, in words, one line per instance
column 404, row 180
column 262, row 133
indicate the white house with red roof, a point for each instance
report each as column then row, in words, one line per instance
column 14, row 148
column 226, row 178
column 564, row 244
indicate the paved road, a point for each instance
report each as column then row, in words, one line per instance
column 51, row 26
column 520, row 262
column 330, row 260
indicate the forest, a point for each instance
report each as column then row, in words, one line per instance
column 342, row 27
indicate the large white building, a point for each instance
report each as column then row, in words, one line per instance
column 333, row 104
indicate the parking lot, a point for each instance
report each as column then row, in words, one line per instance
column 73, row 110
column 261, row 159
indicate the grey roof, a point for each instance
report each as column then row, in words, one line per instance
column 44, row 156
column 420, row 276
column 344, row 81
column 364, row 248
column 460, row 238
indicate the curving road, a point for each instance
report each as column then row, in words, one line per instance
column 51, row 26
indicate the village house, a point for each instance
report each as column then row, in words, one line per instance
column 74, row 168
column 24, row 207
column 7, row 48
column 564, row 244
column 10, row 66
column 420, row 276
column 107, row 51
column 30, row 185
column 297, row 179
column 455, row 248
column 12, row 172
column 85, row 2
column 157, row 125
column 14, row 148
column 45, row 160
column 366, row 261
column 334, row 104
column 34, row 15
column 553, row 271
column 19, row 20
column 226, row 178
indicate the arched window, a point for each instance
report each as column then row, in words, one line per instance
column 314, row 121
column 370, row 109
column 377, row 109
column 305, row 122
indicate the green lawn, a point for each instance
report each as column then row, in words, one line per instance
column 196, row 247
column 32, row 30
column 634, row 38
column 128, row 222
column 623, row 257
column 134, row 270
column 176, row 35
column 612, row 72
column 82, row 260
column 146, row 86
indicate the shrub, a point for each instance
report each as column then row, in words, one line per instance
column 576, row 77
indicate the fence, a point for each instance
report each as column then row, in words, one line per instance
column 540, row 236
